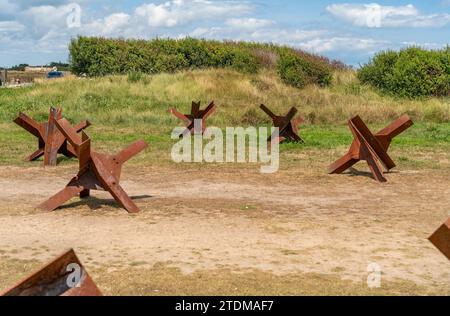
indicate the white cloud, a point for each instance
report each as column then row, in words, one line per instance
column 180, row 12
column 328, row 44
column 43, row 19
column 374, row 15
column 248, row 23
column 207, row 32
column 11, row 26
column 158, row 15
column 423, row 45
column 7, row 7
column 112, row 25
column 285, row 36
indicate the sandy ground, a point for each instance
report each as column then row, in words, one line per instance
column 193, row 219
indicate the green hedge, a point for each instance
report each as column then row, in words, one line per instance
column 299, row 70
column 412, row 72
column 96, row 56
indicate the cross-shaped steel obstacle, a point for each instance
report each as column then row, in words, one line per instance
column 51, row 280
column 287, row 125
column 196, row 114
column 96, row 171
column 441, row 239
column 371, row 148
column 51, row 141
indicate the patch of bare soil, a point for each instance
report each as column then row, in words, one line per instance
column 296, row 221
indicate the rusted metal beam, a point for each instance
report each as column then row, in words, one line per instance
column 196, row 114
column 52, row 280
column 441, row 239
column 96, row 171
column 371, row 148
column 50, row 140
column 287, row 125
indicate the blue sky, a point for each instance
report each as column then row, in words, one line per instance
column 38, row 31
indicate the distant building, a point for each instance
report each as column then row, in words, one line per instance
column 38, row 69
column 14, row 78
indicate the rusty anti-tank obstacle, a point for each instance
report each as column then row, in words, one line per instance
column 96, row 171
column 441, row 239
column 51, row 141
column 196, row 114
column 54, row 279
column 371, row 148
column 287, row 125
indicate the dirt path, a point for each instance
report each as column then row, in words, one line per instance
column 296, row 221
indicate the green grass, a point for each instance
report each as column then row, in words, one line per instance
column 322, row 144
column 122, row 111
column 421, row 135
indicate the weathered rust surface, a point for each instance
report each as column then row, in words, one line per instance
column 51, row 280
column 196, row 114
column 96, row 171
column 371, row 148
column 51, row 141
column 287, row 125
column 441, row 239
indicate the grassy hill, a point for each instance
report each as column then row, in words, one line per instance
column 125, row 108
column 134, row 101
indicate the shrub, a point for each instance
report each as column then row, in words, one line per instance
column 291, row 70
column 95, row 56
column 412, row 72
column 298, row 71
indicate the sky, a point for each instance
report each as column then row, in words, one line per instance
column 37, row 32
